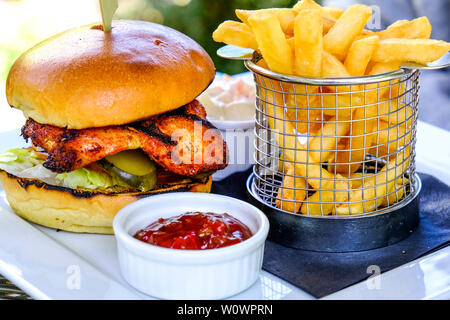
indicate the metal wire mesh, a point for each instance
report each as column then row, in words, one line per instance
column 335, row 146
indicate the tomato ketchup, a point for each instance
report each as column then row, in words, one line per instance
column 195, row 231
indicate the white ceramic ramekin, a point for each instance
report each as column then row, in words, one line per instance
column 189, row 274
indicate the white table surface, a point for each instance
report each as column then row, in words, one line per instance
column 424, row 278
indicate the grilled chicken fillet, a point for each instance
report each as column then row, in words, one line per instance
column 181, row 141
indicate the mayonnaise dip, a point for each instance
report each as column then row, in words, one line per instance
column 230, row 98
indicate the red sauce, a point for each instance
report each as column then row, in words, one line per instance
column 195, row 231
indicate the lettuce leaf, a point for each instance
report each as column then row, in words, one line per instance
column 23, row 156
column 25, row 163
column 85, row 178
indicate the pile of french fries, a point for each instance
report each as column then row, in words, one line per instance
column 327, row 174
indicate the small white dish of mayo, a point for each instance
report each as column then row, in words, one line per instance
column 230, row 98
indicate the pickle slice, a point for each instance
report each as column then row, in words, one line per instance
column 143, row 183
column 134, row 162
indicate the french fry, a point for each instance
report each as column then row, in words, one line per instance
column 304, row 118
column 301, row 102
column 291, row 42
column 386, row 108
column 376, row 187
column 329, row 14
column 323, row 146
column 327, row 25
column 317, row 204
column 328, row 11
column 364, row 34
column 413, row 50
column 357, row 179
column 332, row 12
column 389, row 139
column 332, row 67
column 359, row 55
column 283, row 165
column 385, row 96
column 235, row 33
column 323, row 202
column 347, row 27
column 375, row 93
column 301, row 105
column 350, row 160
column 272, row 42
column 341, row 146
column 396, row 194
column 308, row 43
column 286, row 17
column 291, row 192
column 397, row 24
column 419, row 28
column 306, row 4
column 336, row 101
column 394, row 92
column 263, row 64
column 396, row 114
column 383, row 67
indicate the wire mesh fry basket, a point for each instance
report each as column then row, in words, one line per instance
column 336, row 155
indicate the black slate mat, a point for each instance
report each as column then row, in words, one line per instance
column 321, row 274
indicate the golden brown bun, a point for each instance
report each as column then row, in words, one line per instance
column 62, row 208
column 84, row 77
